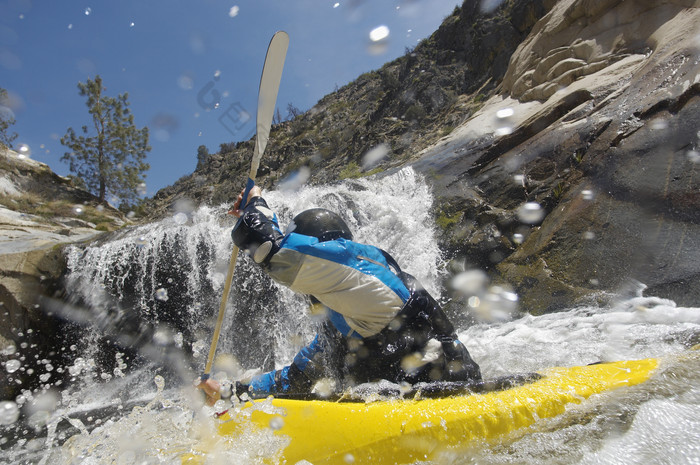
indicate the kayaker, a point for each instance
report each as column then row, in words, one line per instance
column 379, row 318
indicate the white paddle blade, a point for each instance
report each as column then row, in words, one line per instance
column 267, row 95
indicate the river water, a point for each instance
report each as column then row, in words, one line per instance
column 144, row 305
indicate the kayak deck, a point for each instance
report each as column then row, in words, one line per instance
column 403, row 431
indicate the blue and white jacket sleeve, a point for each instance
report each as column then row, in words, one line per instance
column 295, row 378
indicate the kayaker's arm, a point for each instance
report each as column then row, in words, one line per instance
column 297, row 378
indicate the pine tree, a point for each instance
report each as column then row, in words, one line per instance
column 202, row 156
column 110, row 156
column 6, row 120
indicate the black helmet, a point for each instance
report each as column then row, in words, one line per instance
column 320, row 223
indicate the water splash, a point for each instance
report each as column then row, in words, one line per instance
column 112, row 411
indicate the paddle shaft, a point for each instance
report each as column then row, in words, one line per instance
column 267, row 97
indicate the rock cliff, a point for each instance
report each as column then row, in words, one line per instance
column 596, row 123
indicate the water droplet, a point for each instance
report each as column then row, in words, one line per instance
column 336, row 5
column 162, row 294
column 9, row 350
column 88, row 10
column 589, row 235
column 505, row 113
column 276, row 423
column 23, row 151
column 9, row 412
column 349, row 458
column 324, row 387
column 587, row 194
column 530, row 213
column 80, row 365
column 504, row 124
column 519, row 179
column 12, row 365
column 518, row 238
column 233, row 12
column 375, row 155
column 488, row 6
column 160, row 382
column 78, row 209
column 185, row 82
column 141, row 189
column 470, row 282
column 131, row 24
column 296, row 180
column 45, row 377
column 70, row 26
column 162, row 336
column 197, row 348
column 659, row 124
column 180, row 218
column 694, row 156
column 412, row 362
column 379, row 33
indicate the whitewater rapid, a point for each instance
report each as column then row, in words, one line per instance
column 139, row 406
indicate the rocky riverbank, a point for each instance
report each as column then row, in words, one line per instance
column 40, row 212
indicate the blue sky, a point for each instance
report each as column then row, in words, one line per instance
column 174, row 57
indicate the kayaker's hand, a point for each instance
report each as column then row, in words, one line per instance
column 237, row 209
column 212, row 389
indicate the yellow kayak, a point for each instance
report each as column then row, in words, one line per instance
column 404, row 431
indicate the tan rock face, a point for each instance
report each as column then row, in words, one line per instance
column 580, row 38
